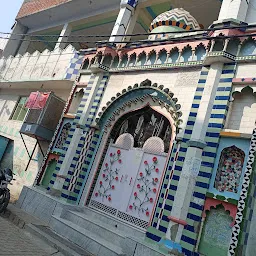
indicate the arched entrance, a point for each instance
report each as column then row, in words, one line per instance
column 130, row 164
column 134, row 164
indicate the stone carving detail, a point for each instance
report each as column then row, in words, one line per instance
column 191, row 167
column 187, row 79
column 124, row 127
column 229, row 169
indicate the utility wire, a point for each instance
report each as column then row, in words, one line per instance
column 151, row 42
column 137, row 34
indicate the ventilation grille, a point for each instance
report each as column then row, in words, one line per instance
column 119, row 215
column 128, row 218
column 103, row 207
column 52, row 113
column 33, row 115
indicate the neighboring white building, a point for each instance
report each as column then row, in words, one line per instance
column 2, row 46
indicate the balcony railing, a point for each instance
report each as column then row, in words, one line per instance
column 55, row 65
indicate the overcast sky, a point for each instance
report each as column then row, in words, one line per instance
column 9, row 10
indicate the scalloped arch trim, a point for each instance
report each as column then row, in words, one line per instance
column 158, row 93
column 210, row 202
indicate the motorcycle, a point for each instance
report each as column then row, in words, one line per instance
column 6, row 176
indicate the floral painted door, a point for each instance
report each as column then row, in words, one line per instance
column 129, row 180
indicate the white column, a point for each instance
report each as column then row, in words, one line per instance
column 77, row 135
column 24, row 45
column 62, row 41
column 59, row 182
column 15, row 40
column 124, row 19
column 234, row 9
column 193, row 157
column 131, row 25
column 89, row 103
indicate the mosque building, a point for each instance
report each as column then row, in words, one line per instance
column 154, row 150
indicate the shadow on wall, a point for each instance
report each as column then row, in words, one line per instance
column 7, row 158
column 5, row 110
column 242, row 111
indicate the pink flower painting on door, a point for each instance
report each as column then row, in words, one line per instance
column 146, row 188
column 109, row 176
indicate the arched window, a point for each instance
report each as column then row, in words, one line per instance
column 230, row 169
column 63, row 136
column 143, row 124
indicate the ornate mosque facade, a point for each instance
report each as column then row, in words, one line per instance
column 158, row 156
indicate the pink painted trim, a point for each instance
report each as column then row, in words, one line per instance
column 244, row 81
column 61, row 176
column 210, row 202
column 82, row 84
column 89, row 57
column 53, row 156
column 176, row 220
column 147, row 49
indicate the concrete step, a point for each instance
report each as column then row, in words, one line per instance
column 86, row 239
column 102, row 229
column 19, row 217
column 63, row 245
column 111, row 223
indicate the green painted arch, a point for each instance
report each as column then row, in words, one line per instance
column 138, row 92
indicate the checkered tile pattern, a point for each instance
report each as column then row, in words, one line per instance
column 79, row 165
column 132, row 3
column 55, row 136
column 74, row 67
column 218, row 116
column 56, row 133
column 248, row 214
column 71, row 191
column 168, row 191
column 72, row 130
column 216, row 124
column 242, row 200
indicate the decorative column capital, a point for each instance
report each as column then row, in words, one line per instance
column 130, row 4
column 196, row 144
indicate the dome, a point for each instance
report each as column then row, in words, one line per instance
column 174, row 20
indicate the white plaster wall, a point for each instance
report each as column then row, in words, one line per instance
column 84, row 78
column 241, row 115
column 182, row 83
column 17, row 158
column 46, row 65
column 235, row 9
column 251, row 13
column 245, row 70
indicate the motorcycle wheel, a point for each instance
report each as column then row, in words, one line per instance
column 4, row 201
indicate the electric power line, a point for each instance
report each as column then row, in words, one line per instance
column 150, row 42
column 135, row 34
